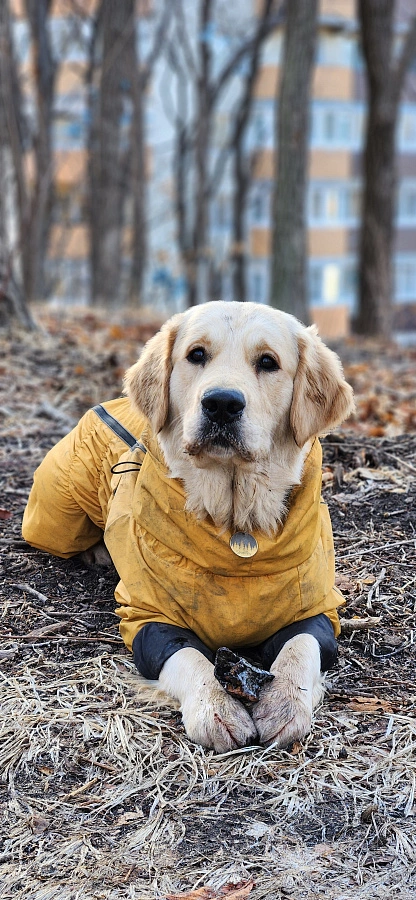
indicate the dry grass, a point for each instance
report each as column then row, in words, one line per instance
column 109, row 799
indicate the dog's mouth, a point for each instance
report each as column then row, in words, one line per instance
column 216, row 441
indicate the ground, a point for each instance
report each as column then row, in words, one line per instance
column 101, row 793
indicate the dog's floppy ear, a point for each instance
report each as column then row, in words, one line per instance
column 146, row 383
column 321, row 396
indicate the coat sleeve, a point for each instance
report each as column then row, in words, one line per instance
column 64, row 515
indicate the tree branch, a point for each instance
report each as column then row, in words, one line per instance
column 158, row 42
column 405, row 60
column 227, row 71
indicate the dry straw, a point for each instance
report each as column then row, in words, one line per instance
column 109, row 799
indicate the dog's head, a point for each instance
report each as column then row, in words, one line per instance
column 232, row 380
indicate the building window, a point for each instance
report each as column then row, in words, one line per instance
column 263, row 124
column 405, row 279
column 329, row 129
column 332, row 281
column 331, row 204
column 407, row 203
column 337, row 125
column 260, row 205
column 317, row 204
column 407, row 130
column 335, row 50
column 258, row 281
column 315, row 284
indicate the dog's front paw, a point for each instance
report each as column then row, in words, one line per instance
column 210, row 716
column 283, row 713
column 216, row 720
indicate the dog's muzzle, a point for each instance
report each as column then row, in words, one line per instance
column 223, row 407
column 220, row 427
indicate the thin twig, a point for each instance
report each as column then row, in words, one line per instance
column 378, row 549
column 30, row 590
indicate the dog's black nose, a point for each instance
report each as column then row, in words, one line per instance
column 223, row 407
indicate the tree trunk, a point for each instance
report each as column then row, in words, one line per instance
column 43, row 190
column 13, row 189
column 385, row 78
column 198, row 272
column 289, row 242
column 139, row 246
column 106, row 157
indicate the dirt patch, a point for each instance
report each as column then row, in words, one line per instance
column 101, row 793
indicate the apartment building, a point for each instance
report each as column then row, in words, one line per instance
column 334, row 192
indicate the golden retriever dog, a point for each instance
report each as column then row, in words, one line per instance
column 213, row 518
column 236, row 394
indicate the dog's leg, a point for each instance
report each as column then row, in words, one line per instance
column 97, row 555
column 284, row 711
column 210, row 716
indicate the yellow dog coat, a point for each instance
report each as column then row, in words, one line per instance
column 174, row 568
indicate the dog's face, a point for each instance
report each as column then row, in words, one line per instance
column 231, row 386
column 232, row 380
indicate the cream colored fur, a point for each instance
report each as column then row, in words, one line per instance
column 244, row 486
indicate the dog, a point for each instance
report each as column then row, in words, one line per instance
column 236, row 393
column 234, row 535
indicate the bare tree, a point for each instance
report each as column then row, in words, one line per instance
column 12, row 303
column 114, row 27
column 40, row 210
column 117, row 166
column 243, row 166
column 141, row 72
column 386, row 72
column 288, row 272
column 25, row 204
column 198, row 93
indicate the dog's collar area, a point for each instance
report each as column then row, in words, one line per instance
column 243, row 544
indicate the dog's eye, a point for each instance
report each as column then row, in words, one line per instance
column 197, row 356
column 266, row 363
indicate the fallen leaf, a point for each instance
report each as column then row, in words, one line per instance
column 296, row 748
column 5, row 514
column 369, row 704
column 237, row 891
column 345, row 583
column 203, row 893
column 229, row 891
column 46, row 770
column 38, row 823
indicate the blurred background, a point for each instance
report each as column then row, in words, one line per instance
column 160, row 153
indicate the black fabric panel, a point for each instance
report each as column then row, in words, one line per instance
column 117, row 427
column 156, row 642
column 320, row 627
